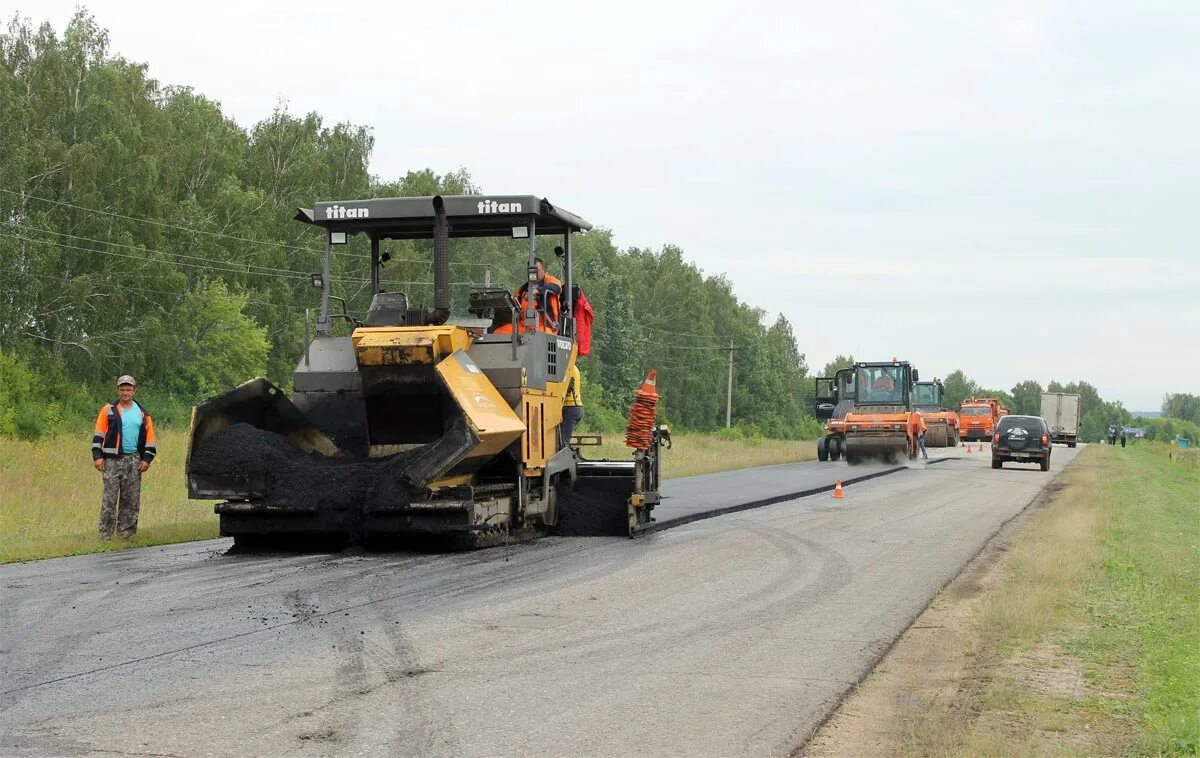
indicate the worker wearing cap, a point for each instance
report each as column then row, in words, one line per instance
column 572, row 410
column 122, row 449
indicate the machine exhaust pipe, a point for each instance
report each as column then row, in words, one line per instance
column 441, row 263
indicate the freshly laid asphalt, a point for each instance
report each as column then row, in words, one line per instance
column 733, row 635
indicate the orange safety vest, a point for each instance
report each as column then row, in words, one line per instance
column 106, row 438
column 546, row 298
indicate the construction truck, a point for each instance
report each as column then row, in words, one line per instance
column 941, row 423
column 833, row 399
column 1061, row 412
column 978, row 417
column 408, row 424
column 877, row 419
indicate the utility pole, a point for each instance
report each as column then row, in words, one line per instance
column 729, row 388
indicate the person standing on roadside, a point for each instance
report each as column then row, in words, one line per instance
column 921, row 429
column 572, row 404
column 123, row 448
column 1122, row 436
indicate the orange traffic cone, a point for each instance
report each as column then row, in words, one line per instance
column 969, row 448
column 639, row 432
column 980, row 450
column 837, row 491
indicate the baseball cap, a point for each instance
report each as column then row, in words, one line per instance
column 126, row 379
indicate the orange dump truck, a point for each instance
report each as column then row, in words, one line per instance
column 978, row 417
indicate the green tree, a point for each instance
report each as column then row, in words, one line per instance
column 1027, row 398
column 1182, row 405
column 210, row 342
column 958, row 388
column 143, row 230
column 839, row 362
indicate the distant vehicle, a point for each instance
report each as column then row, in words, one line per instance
column 941, row 424
column 1061, row 412
column 977, row 417
column 834, row 399
column 1021, row 439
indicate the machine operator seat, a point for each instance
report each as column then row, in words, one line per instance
column 388, row 309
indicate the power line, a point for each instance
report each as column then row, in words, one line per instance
column 228, row 267
column 266, row 269
column 281, row 275
column 160, row 223
column 146, row 290
column 222, row 235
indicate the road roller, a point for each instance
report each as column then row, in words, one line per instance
column 882, row 425
column 941, row 424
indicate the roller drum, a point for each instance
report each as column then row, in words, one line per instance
column 890, row 448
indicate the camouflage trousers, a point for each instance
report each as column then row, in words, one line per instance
column 122, row 496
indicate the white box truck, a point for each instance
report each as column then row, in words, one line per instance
column 1061, row 412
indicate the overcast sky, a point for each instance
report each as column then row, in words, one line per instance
column 1012, row 189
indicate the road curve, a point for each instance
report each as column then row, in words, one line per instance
column 732, row 635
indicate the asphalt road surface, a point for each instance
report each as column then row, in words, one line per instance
column 732, row 635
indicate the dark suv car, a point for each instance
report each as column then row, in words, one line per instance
column 1023, row 439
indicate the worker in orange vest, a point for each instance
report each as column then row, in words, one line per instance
column 921, row 435
column 546, row 297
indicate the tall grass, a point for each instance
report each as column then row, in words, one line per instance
column 50, row 494
column 1103, row 588
column 693, row 454
column 50, row 499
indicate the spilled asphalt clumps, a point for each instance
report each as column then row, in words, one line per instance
column 299, row 478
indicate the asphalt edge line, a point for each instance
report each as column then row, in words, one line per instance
column 798, row 751
column 660, row 526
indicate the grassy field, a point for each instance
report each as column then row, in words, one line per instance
column 50, row 499
column 50, row 494
column 694, row 454
column 1089, row 647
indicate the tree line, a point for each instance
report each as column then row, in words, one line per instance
column 144, row 231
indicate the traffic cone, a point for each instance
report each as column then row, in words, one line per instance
column 980, row 450
column 837, row 491
column 969, row 448
column 640, row 430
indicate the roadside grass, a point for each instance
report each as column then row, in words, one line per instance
column 1089, row 647
column 694, row 454
column 50, row 499
column 50, row 494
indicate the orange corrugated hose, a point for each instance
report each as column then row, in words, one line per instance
column 640, row 431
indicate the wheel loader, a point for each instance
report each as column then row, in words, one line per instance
column 882, row 424
column 413, row 425
column 941, row 423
